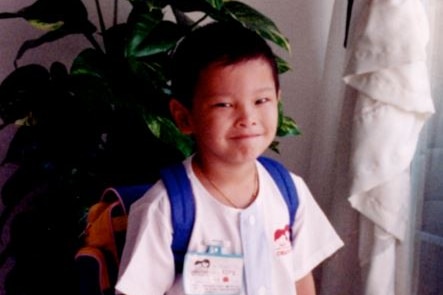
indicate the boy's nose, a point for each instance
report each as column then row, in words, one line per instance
column 246, row 117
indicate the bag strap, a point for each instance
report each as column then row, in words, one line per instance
column 126, row 195
column 182, row 202
column 284, row 181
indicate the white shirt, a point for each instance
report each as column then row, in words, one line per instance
column 147, row 266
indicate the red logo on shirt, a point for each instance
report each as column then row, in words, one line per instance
column 282, row 241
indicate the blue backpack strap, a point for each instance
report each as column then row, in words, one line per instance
column 284, row 181
column 182, row 202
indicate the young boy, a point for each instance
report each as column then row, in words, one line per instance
column 225, row 95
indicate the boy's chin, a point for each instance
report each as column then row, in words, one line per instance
column 248, row 156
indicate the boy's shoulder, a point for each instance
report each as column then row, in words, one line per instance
column 154, row 198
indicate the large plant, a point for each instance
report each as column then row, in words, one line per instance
column 102, row 122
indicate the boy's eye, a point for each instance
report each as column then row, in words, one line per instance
column 222, row 105
column 262, row 100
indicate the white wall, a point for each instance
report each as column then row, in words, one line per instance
column 306, row 24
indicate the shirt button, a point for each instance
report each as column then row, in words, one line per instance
column 252, row 220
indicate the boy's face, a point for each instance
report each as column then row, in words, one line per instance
column 234, row 114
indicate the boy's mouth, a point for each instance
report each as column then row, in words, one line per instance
column 245, row 136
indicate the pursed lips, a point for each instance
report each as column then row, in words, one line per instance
column 245, row 136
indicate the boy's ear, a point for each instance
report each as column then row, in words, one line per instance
column 181, row 116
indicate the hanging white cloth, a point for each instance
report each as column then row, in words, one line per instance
column 387, row 66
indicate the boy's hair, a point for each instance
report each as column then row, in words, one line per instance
column 216, row 42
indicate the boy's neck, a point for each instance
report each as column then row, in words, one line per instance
column 235, row 185
column 224, row 171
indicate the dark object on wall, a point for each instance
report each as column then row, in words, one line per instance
column 348, row 21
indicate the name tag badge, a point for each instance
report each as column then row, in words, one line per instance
column 212, row 272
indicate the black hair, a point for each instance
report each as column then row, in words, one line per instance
column 224, row 42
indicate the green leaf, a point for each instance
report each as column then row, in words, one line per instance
column 93, row 94
column 160, row 39
column 151, row 71
column 217, row 4
column 45, row 26
column 275, row 147
column 165, row 130
column 59, row 18
column 88, row 62
column 155, row 4
column 258, row 22
column 22, row 91
column 142, row 24
column 51, row 12
column 286, row 125
column 205, row 6
column 282, row 65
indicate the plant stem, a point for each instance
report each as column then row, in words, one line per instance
column 100, row 16
column 93, row 42
column 114, row 22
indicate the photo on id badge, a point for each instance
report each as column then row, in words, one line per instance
column 213, row 272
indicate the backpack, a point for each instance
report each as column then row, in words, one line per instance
column 98, row 259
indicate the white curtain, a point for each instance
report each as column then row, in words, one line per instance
column 376, row 99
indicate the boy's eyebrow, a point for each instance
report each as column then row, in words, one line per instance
column 266, row 88
column 258, row 90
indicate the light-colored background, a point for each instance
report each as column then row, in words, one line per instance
column 313, row 94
